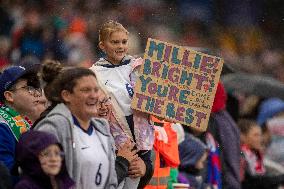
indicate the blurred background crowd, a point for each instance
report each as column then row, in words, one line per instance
column 247, row 34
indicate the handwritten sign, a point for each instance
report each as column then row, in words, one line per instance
column 177, row 83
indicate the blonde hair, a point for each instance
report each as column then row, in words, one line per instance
column 108, row 28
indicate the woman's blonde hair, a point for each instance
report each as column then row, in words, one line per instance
column 108, row 28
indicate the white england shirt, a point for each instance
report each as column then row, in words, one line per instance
column 94, row 159
column 116, row 79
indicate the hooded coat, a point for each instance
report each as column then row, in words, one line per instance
column 190, row 151
column 30, row 145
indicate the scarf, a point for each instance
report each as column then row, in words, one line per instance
column 17, row 124
column 214, row 165
column 254, row 161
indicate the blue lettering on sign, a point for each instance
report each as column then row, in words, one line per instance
column 129, row 89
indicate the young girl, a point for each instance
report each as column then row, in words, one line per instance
column 41, row 159
column 116, row 75
column 253, row 174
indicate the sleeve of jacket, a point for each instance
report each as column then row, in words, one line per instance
column 7, row 146
column 146, row 157
column 169, row 150
column 121, row 168
column 229, row 139
column 51, row 125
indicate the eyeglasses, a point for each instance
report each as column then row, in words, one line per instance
column 105, row 101
column 32, row 90
column 49, row 154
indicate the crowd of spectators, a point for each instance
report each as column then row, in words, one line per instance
column 244, row 33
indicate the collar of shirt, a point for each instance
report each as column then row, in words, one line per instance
column 89, row 131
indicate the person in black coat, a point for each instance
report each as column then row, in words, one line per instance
column 5, row 177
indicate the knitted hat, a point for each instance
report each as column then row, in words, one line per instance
column 190, row 151
column 269, row 108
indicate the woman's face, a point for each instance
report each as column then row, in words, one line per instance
column 254, row 138
column 103, row 106
column 82, row 102
column 51, row 160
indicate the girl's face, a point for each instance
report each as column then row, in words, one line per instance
column 82, row 102
column 51, row 160
column 254, row 138
column 115, row 47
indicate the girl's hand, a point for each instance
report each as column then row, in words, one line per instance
column 137, row 168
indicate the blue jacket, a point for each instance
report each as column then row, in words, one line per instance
column 7, row 145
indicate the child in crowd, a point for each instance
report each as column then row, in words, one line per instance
column 253, row 174
column 270, row 118
column 41, row 160
column 116, row 75
column 193, row 155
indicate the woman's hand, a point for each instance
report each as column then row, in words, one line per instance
column 137, row 168
column 126, row 151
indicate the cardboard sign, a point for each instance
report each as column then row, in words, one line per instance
column 177, row 83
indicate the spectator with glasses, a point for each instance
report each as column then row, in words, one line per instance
column 125, row 153
column 41, row 159
column 19, row 95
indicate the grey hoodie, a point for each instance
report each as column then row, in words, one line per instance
column 59, row 121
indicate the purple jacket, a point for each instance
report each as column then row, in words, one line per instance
column 30, row 145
